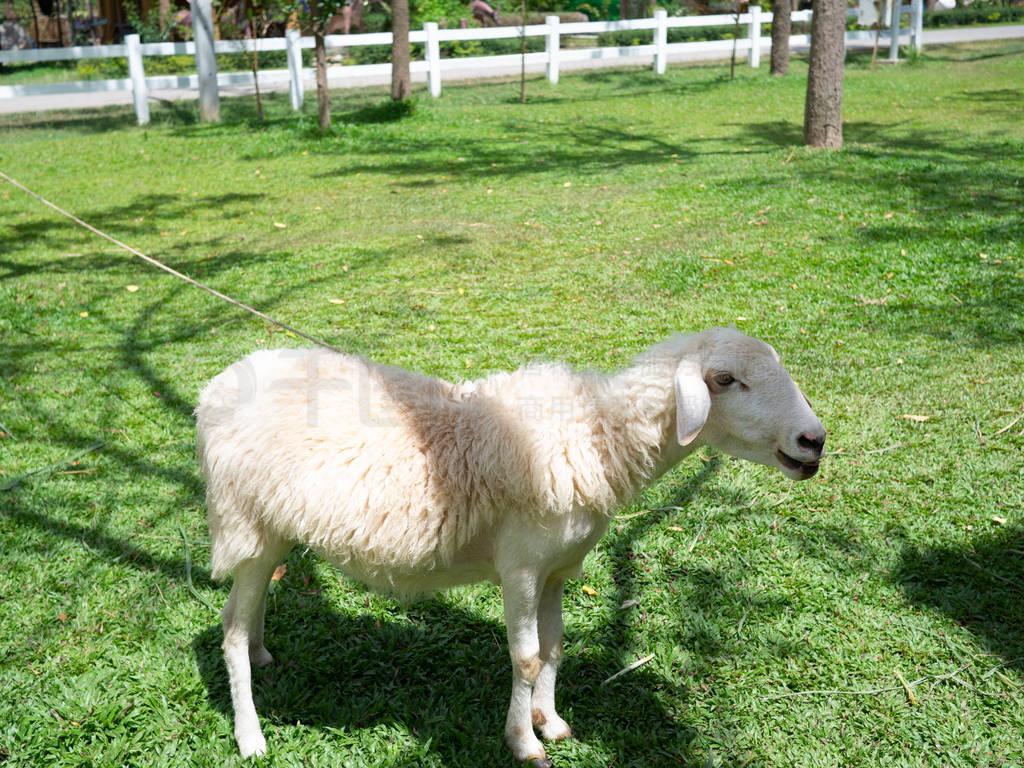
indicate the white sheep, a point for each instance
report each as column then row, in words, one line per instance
column 411, row 484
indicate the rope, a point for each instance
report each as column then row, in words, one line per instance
column 170, row 270
column 188, row 572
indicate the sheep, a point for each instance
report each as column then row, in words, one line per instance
column 412, row 484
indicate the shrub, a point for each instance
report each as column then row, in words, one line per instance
column 976, row 13
column 686, row 34
column 103, row 69
column 436, row 10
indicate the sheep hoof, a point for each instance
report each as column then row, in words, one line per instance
column 539, row 762
column 260, row 657
column 251, row 744
column 555, row 729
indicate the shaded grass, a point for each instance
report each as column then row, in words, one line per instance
column 474, row 234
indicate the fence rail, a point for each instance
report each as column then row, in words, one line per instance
column 432, row 63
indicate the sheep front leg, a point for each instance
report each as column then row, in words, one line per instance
column 550, row 628
column 242, row 620
column 521, row 596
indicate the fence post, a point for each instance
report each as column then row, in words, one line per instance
column 660, row 40
column 206, row 61
column 754, row 30
column 894, row 31
column 553, row 43
column 917, row 24
column 433, row 56
column 293, row 47
column 140, row 91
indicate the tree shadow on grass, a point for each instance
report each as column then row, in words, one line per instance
column 377, row 112
column 961, row 52
column 978, row 584
column 86, row 120
column 110, row 548
column 130, row 221
column 939, row 191
column 1004, row 102
column 552, row 147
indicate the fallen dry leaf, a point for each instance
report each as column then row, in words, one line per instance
column 336, row 301
column 279, row 225
column 914, row 417
column 588, row 590
column 279, row 572
column 131, row 288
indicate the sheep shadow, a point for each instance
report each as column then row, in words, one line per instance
column 978, row 584
column 435, row 670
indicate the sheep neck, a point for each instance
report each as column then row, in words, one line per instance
column 637, row 426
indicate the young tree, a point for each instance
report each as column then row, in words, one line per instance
column 823, row 107
column 259, row 17
column 735, row 39
column 781, row 29
column 401, row 81
column 320, row 13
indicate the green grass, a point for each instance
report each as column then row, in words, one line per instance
column 473, row 235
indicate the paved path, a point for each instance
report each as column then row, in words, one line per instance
column 337, row 77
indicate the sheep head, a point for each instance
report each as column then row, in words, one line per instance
column 733, row 393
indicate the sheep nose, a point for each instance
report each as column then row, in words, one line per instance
column 812, row 442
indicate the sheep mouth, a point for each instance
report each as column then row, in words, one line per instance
column 805, row 468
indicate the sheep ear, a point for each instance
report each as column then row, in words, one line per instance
column 693, row 401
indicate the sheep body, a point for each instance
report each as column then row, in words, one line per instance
column 393, row 476
column 412, row 484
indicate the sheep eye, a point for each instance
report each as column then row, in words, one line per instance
column 723, row 379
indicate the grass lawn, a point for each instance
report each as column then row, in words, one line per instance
column 476, row 234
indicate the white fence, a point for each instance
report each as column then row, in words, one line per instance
column 432, row 64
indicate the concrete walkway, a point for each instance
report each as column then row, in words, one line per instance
column 338, row 78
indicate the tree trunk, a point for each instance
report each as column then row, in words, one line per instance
column 782, row 28
column 323, row 98
column 823, row 108
column 401, row 81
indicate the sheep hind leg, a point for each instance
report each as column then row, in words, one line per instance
column 242, row 620
column 550, row 628
column 259, row 656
